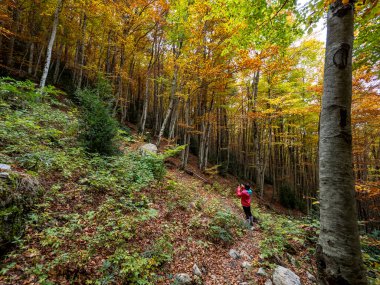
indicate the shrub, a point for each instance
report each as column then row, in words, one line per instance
column 98, row 128
column 223, row 225
column 131, row 268
column 161, row 250
column 125, row 173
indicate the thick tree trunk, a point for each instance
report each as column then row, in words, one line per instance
column 338, row 251
column 51, row 43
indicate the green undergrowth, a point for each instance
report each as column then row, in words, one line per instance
column 209, row 218
column 294, row 240
column 286, row 238
column 91, row 208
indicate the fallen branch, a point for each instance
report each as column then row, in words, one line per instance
column 192, row 173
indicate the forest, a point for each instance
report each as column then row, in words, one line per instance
column 231, row 92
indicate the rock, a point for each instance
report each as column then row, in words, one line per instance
column 182, row 279
column 196, row 270
column 5, row 167
column 234, row 254
column 243, row 283
column 261, row 272
column 4, row 174
column 246, row 265
column 284, row 276
column 245, row 255
column 148, row 148
column 268, row 282
column 16, row 199
column 311, row 277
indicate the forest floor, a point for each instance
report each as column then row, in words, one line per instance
column 213, row 258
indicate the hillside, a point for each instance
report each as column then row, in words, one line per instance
column 72, row 217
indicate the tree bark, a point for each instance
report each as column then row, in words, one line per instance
column 51, row 43
column 338, row 251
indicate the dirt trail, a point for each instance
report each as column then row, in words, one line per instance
column 219, row 267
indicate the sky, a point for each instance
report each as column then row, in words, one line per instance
column 320, row 31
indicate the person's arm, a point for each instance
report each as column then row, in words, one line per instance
column 238, row 191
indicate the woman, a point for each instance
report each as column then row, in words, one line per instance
column 245, row 192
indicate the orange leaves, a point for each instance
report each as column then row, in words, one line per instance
column 368, row 189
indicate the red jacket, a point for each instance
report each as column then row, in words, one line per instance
column 245, row 197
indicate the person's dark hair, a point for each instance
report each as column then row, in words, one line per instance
column 247, row 186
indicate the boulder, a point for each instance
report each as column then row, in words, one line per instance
column 182, row 279
column 234, row 254
column 261, row 272
column 16, row 199
column 148, row 148
column 5, row 167
column 196, row 270
column 268, row 282
column 284, row 276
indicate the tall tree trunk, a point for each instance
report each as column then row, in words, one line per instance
column 31, row 54
column 338, row 251
column 173, row 119
column 186, row 140
column 258, row 151
column 171, row 104
column 51, row 43
column 81, row 53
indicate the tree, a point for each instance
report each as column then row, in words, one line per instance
column 338, row 252
column 51, row 43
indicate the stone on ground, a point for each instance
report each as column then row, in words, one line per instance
column 182, row 279
column 196, row 270
column 5, row 167
column 234, row 254
column 148, row 148
column 268, row 282
column 284, row 276
column 261, row 272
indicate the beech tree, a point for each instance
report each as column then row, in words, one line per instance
column 338, row 252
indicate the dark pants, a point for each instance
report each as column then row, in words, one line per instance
column 247, row 211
